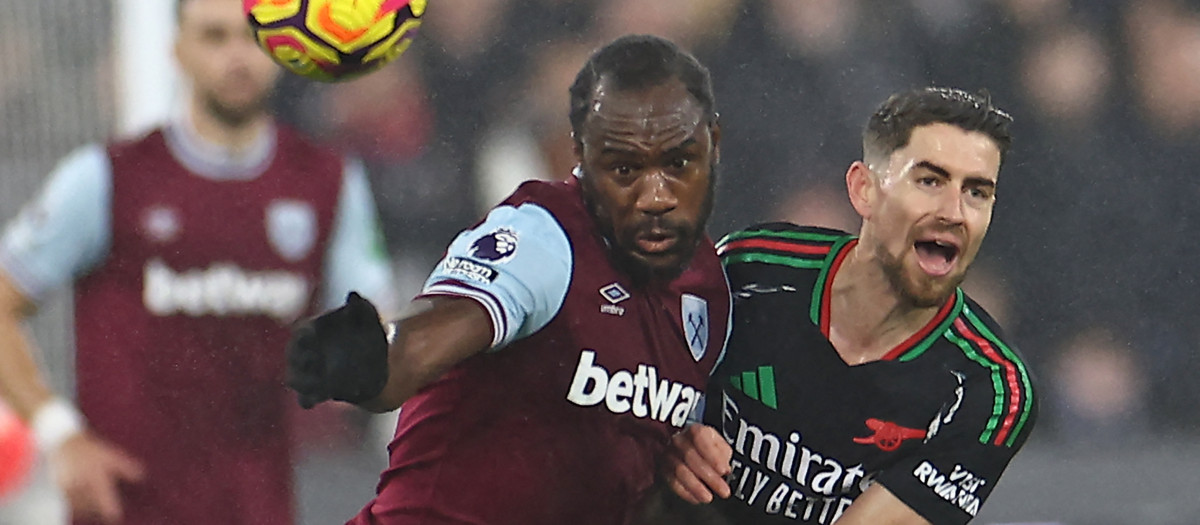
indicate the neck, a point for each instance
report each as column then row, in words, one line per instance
column 868, row 317
column 236, row 138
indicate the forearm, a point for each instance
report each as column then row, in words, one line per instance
column 878, row 506
column 21, row 383
column 437, row 335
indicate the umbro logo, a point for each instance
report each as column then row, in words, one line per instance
column 758, row 384
column 614, row 294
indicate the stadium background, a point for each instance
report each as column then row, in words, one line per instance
column 1090, row 262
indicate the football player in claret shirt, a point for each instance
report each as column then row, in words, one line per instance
column 861, row 385
column 562, row 341
column 192, row 250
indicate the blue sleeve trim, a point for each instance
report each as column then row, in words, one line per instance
column 517, row 264
column 66, row 230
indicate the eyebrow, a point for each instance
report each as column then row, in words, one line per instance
column 620, row 150
column 691, row 141
column 943, row 172
column 934, row 168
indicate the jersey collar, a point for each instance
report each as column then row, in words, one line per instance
column 215, row 162
column 911, row 347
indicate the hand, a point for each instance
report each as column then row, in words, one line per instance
column 90, row 472
column 341, row 354
column 697, row 463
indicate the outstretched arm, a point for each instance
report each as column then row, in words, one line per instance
column 501, row 281
column 440, row 333
column 348, row 355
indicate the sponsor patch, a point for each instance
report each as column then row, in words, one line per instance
column 498, row 247
column 471, row 270
column 959, row 487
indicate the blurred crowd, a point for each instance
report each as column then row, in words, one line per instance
column 1089, row 262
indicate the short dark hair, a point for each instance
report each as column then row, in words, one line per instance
column 891, row 126
column 635, row 62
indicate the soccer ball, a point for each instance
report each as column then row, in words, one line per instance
column 334, row 40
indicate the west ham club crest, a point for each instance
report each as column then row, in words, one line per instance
column 695, row 325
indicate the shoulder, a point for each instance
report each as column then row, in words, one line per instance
column 519, row 223
column 560, row 200
column 779, row 251
column 977, row 327
column 998, row 370
column 780, row 243
column 86, row 171
column 546, row 193
column 134, row 145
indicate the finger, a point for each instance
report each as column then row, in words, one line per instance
column 687, row 485
column 107, row 499
column 302, row 347
column 309, row 387
column 682, row 491
column 705, row 471
column 361, row 309
column 128, row 469
column 712, row 447
column 306, row 369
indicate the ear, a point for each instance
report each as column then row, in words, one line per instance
column 715, row 135
column 577, row 148
column 861, row 187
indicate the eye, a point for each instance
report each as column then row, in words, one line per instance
column 680, row 163
column 928, row 181
column 980, row 193
column 623, row 170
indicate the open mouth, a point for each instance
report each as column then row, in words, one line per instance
column 936, row 256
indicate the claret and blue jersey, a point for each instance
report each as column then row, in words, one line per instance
column 189, row 266
column 588, row 376
column 935, row 421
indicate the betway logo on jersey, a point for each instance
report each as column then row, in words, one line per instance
column 223, row 289
column 642, row 393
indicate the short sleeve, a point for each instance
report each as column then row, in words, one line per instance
column 971, row 442
column 517, row 264
column 66, row 230
column 357, row 259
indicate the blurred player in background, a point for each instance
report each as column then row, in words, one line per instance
column 191, row 251
column 561, row 341
column 862, row 385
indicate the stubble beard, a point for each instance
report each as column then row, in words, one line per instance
column 918, row 291
column 235, row 116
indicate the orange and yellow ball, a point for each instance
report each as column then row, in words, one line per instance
column 333, row 40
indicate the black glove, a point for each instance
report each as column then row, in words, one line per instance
column 341, row 354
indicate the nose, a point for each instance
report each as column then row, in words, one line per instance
column 655, row 196
column 950, row 206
